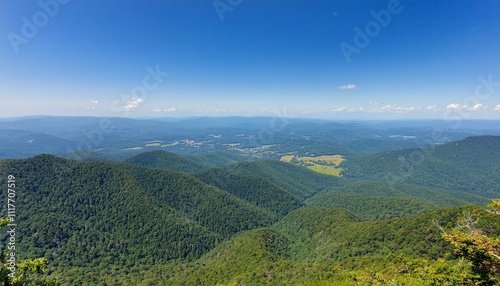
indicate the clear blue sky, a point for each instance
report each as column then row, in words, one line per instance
column 245, row 57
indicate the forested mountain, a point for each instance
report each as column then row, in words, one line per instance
column 86, row 214
column 256, row 190
column 217, row 159
column 470, row 165
column 160, row 218
column 19, row 144
column 187, row 163
column 166, row 160
column 299, row 181
column 322, row 246
column 380, row 200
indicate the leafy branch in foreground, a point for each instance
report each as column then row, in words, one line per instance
column 28, row 271
column 495, row 206
column 479, row 250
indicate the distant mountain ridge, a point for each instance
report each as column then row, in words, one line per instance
column 125, row 137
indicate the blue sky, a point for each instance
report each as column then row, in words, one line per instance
column 325, row 59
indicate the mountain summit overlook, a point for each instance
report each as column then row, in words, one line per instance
column 249, row 143
column 162, row 210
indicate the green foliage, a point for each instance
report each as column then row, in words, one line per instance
column 376, row 200
column 256, row 190
column 4, row 222
column 480, row 250
column 95, row 215
column 28, row 272
column 470, row 165
column 322, row 234
column 217, row 159
column 494, row 205
column 299, row 181
column 399, row 270
column 166, row 160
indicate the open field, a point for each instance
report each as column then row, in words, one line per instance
column 326, row 164
column 330, row 159
column 328, row 170
column 286, row 158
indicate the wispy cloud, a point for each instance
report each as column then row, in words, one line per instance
column 376, row 107
column 133, row 103
column 455, row 106
column 397, row 108
column 347, row 86
column 478, row 106
column 94, row 101
column 354, row 109
column 173, row 109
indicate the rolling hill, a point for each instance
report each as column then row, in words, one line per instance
column 85, row 214
column 299, row 181
column 470, row 165
column 166, row 160
column 321, row 246
column 256, row 190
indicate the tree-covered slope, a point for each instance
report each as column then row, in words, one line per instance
column 322, row 234
column 214, row 209
column 471, row 165
column 101, row 214
column 372, row 207
column 91, row 156
column 166, row 160
column 217, row 159
column 323, row 246
column 375, row 200
column 78, row 214
column 21, row 144
column 256, row 190
column 299, row 181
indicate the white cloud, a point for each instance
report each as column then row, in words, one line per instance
column 393, row 108
column 133, row 103
column 396, row 108
column 348, row 86
column 478, row 106
column 497, row 107
column 339, row 109
column 173, row 109
column 455, row 106
column 354, row 109
column 94, row 101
